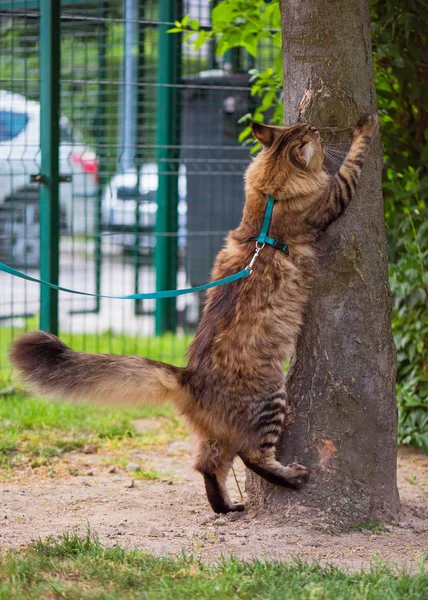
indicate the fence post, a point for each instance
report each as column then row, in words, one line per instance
column 49, row 144
column 100, row 132
column 139, row 151
column 168, row 134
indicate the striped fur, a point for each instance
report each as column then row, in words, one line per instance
column 232, row 390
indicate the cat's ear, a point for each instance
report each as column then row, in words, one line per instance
column 303, row 154
column 263, row 133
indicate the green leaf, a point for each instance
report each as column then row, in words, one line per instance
column 245, row 133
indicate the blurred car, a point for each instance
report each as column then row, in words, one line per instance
column 123, row 204
column 20, row 158
column 125, row 199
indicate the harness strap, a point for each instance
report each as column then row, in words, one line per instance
column 263, row 237
column 277, row 244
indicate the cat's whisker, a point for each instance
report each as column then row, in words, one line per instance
column 334, row 130
column 334, row 160
column 331, row 167
column 335, row 151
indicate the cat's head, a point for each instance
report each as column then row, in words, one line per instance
column 297, row 147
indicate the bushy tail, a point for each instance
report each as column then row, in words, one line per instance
column 51, row 368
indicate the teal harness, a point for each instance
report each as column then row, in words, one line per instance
column 261, row 240
column 263, row 237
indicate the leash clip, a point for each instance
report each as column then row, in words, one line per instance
column 259, row 248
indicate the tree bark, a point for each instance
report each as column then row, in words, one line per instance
column 341, row 382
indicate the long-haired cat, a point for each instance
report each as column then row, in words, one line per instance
column 232, row 391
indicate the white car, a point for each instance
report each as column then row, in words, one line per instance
column 119, row 208
column 20, row 159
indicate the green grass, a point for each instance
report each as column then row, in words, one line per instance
column 169, row 348
column 34, row 431
column 73, row 567
column 149, row 475
column 374, row 526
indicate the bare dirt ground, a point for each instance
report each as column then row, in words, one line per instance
column 170, row 515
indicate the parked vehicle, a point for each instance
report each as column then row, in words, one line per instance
column 124, row 200
column 20, row 159
column 123, row 204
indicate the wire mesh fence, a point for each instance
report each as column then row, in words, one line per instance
column 149, row 174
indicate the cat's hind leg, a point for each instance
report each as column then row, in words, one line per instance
column 267, row 423
column 265, row 465
column 214, row 463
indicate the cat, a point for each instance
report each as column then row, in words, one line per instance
column 232, row 391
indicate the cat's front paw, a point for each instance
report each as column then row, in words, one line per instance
column 367, row 125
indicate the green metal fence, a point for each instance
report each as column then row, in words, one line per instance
column 120, row 168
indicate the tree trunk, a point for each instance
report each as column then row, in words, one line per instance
column 341, row 383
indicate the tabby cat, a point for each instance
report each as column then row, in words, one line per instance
column 232, row 391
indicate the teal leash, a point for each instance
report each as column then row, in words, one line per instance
column 261, row 241
column 151, row 296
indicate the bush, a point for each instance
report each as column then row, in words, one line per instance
column 409, row 283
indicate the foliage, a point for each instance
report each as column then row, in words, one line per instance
column 400, row 55
column 80, row 567
column 235, row 23
column 409, row 282
column 400, row 44
column 245, row 23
